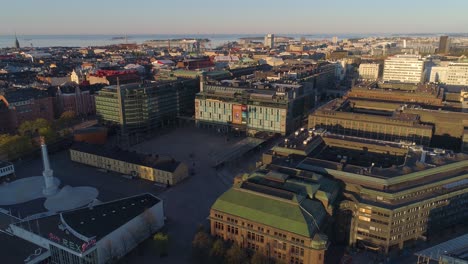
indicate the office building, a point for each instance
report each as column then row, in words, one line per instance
column 404, row 68
column 283, row 216
column 164, row 170
column 95, row 234
column 394, row 193
column 370, row 71
column 269, row 41
column 343, row 117
column 431, row 104
column 415, row 94
column 457, row 74
column 444, row 45
column 138, row 109
column 255, row 106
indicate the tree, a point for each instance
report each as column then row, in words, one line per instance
column 30, row 128
column 259, row 258
column 218, row 251
column 13, row 147
column 236, row 255
column 66, row 119
column 48, row 133
column 161, row 242
column 201, row 245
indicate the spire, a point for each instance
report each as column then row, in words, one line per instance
column 17, row 45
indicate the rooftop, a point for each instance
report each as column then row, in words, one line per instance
column 17, row 250
column 291, row 200
column 24, row 94
column 457, row 248
column 274, row 212
column 81, row 226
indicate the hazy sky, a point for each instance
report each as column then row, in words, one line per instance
column 234, row 16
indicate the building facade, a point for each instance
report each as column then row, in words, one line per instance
column 404, row 68
column 23, row 105
column 280, row 222
column 97, row 234
column 386, row 205
column 457, row 74
column 438, row 74
column 82, row 103
column 369, row 71
column 7, row 170
column 396, row 127
column 274, row 108
column 151, row 168
column 269, row 41
column 444, row 45
column 142, row 108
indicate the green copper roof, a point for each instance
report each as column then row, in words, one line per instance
column 277, row 213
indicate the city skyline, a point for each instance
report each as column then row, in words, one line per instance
column 210, row 17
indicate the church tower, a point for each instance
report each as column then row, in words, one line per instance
column 17, row 45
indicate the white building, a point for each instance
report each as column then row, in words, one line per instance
column 404, row 68
column 269, row 41
column 438, row 74
column 457, row 74
column 369, row 71
column 94, row 234
column 7, row 170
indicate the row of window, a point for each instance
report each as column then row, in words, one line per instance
column 6, row 169
column 255, row 237
column 233, row 230
column 297, row 251
column 371, row 235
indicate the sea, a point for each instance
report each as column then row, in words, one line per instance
column 103, row 40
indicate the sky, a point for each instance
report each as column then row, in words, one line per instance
column 231, row 17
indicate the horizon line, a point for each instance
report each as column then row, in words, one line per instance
column 261, row 33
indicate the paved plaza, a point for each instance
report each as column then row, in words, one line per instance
column 186, row 204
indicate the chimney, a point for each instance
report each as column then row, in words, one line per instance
column 202, row 80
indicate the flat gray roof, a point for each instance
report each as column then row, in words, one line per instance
column 449, row 248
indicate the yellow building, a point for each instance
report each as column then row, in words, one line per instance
column 148, row 167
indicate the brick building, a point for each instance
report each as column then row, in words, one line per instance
column 282, row 215
column 75, row 99
column 22, row 105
